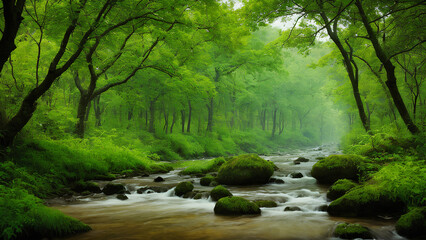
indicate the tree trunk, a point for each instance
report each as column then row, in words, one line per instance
column 98, row 111
column 173, row 122
column 188, row 127
column 210, row 116
column 81, row 114
column 390, row 72
column 274, row 122
column 348, row 61
column 182, row 116
column 88, row 112
column 130, row 113
column 151, row 127
column 166, row 121
column 12, row 13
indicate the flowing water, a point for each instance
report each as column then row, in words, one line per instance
column 165, row 216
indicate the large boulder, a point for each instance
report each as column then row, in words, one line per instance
column 114, row 188
column 236, row 206
column 244, row 170
column 219, row 192
column 335, row 167
column 352, row 231
column 339, row 188
column 412, row 224
column 183, row 187
column 368, row 200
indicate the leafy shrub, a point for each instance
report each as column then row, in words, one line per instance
column 185, row 145
column 23, row 216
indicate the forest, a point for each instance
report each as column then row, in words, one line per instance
column 145, row 119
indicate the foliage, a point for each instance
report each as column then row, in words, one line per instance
column 24, row 216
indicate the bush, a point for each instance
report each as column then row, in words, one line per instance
column 24, row 216
column 185, row 145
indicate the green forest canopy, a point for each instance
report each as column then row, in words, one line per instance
column 82, row 68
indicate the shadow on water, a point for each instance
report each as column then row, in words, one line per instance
column 165, row 216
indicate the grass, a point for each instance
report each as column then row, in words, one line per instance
column 24, row 216
column 200, row 166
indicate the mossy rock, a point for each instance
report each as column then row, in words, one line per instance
column 81, row 186
column 113, row 188
column 151, row 189
column 339, row 188
column 206, row 180
column 265, row 203
column 351, row 231
column 292, row 209
column 122, row 197
column 363, row 201
column 412, row 224
column 335, row 167
column 245, row 170
column 236, row 206
column 219, row 192
column 183, row 187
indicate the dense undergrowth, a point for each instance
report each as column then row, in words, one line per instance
column 394, row 164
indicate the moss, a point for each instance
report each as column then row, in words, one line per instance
column 412, row 224
column 335, row 167
column 219, row 192
column 245, row 169
column 235, row 206
column 265, row 203
column 204, row 167
column 183, row 187
column 339, row 188
column 160, row 168
column 206, row 180
column 24, row 217
column 367, row 200
column 351, row 231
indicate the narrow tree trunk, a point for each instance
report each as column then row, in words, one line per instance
column 182, row 117
column 390, row 72
column 210, row 116
column 188, row 127
column 274, row 122
column 81, row 114
column 130, row 113
column 12, row 13
column 87, row 112
column 166, row 121
column 151, row 127
column 173, row 122
column 348, row 61
column 98, row 111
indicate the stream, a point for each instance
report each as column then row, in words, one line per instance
column 165, row 216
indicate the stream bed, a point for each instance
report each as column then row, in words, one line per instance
column 166, row 216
